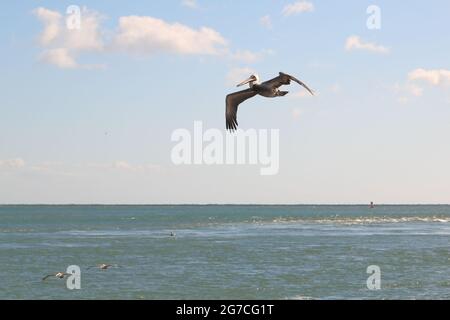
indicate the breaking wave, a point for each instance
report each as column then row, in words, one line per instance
column 360, row 220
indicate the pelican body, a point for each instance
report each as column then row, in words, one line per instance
column 268, row 89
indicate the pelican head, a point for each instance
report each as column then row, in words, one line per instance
column 252, row 80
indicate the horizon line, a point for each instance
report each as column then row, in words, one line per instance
column 223, row 204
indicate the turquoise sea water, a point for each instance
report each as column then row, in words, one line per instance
column 226, row 252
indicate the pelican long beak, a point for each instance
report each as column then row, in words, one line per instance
column 250, row 79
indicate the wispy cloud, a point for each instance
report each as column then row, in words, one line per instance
column 414, row 90
column 356, row 43
column 12, row 163
column 52, row 25
column 246, row 56
column 434, row 77
column 59, row 57
column 236, row 75
column 298, row 7
column 266, row 22
column 413, row 87
column 71, row 169
column 190, row 4
column 406, row 91
column 54, row 168
column 124, row 165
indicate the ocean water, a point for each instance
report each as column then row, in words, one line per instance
column 226, row 252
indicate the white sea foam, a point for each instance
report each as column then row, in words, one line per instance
column 362, row 220
column 300, row 297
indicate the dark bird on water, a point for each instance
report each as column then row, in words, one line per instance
column 268, row 89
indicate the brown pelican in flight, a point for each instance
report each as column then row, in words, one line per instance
column 269, row 89
column 59, row 275
column 103, row 266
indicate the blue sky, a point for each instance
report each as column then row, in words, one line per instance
column 91, row 122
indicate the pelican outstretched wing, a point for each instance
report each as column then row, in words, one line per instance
column 232, row 102
column 285, row 79
column 47, row 276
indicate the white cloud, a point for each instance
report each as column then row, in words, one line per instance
column 52, row 25
column 266, row 22
column 56, row 33
column 134, row 34
column 236, row 75
column 434, row 77
column 59, row 57
column 61, row 44
column 88, row 37
column 190, row 3
column 356, row 43
column 147, row 35
column 12, row 163
column 298, row 7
